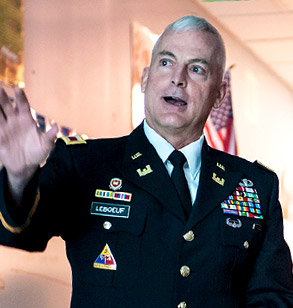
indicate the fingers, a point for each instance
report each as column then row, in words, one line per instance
column 22, row 104
column 2, row 116
column 49, row 138
column 6, row 108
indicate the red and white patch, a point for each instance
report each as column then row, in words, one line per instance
column 115, row 184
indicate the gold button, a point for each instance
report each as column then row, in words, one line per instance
column 182, row 305
column 184, row 271
column 189, row 236
column 107, row 225
column 246, row 245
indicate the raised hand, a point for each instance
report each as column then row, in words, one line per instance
column 22, row 145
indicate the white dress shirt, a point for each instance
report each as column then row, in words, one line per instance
column 192, row 153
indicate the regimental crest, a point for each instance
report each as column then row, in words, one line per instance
column 115, row 184
column 106, row 260
column 244, row 201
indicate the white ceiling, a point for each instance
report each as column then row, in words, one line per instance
column 264, row 26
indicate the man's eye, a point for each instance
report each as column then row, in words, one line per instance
column 165, row 62
column 198, row 70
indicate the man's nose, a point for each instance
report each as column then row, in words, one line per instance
column 179, row 78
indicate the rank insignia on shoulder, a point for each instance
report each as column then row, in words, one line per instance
column 106, row 260
column 70, row 140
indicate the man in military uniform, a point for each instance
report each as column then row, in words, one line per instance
column 137, row 232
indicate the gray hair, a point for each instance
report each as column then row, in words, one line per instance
column 195, row 23
column 192, row 23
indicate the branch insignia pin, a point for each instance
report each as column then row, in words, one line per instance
column 218, row 179
column 144, row 171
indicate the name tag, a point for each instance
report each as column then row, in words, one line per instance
column 110, row 209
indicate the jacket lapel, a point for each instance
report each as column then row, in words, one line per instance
column 217, row 181
column 143, row 167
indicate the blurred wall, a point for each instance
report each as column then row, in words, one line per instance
column 78, row 72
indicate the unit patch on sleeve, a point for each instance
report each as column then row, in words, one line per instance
column 244, row 201
column 106, row 260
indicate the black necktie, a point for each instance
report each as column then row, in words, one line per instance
column 178, row 177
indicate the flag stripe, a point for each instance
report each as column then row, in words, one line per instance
column 219, row 128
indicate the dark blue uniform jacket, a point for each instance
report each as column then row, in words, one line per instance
column 128, row 242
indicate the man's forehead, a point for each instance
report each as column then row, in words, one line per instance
column 174, row 43
column 192, row 43
column 188, row 38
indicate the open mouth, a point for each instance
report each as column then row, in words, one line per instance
column 175, row 100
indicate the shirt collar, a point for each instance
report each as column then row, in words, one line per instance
column 191, row 151
column 162, row 146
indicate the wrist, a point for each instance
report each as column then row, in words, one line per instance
column 17, row 182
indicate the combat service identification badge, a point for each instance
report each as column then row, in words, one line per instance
column 106, row 260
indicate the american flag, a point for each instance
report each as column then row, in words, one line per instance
column 219, row 128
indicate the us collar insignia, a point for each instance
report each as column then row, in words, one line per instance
column 106, row 260
column 144, row 171
column 218, row 180
column 115, row 184
column 221, row 166
column 135, row 156
column 244, row 201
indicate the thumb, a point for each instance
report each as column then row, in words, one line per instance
column 51, row 134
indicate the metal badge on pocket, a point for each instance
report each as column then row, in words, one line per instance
column 234, row 223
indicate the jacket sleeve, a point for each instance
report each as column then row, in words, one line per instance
column 40, row 216
column 271, row 284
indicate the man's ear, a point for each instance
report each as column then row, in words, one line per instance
column 221, row 94
column 144, row 79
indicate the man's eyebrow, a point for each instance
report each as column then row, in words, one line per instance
column 167, row 53
column 198, row 60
